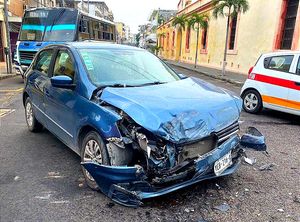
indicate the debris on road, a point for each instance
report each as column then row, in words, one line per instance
column 280, row 210
column 54, row 175
column 250, row 161
column 223, row 207
column 297, row 199
column 188, row 210
column 16, row 178
column 268, row 166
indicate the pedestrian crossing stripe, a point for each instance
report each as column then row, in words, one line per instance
column 4, row 112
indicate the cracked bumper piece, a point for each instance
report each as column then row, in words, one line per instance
column 129, row 185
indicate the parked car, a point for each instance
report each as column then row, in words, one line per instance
column 141, row 129
column 273, row 83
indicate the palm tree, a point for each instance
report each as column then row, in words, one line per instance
column 230, row 9
column 196, row 22
column 179, row 22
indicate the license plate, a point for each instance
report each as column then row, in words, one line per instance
column 222, row 164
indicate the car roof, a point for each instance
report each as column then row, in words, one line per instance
column 96, row 45
column 282, row 52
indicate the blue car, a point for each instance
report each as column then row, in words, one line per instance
column 141, row 129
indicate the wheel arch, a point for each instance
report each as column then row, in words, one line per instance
column 25, row 96
column 248, row 89
column 83, row 131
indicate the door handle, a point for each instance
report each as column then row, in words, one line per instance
column 47, row 93
column 297, row 83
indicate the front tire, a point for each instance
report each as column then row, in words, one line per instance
column 252, row 101
column 93, row 149
column 32, row 123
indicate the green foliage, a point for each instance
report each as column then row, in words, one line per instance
column 155, row 49
column 180, row 22
column 197, row 21
column 235, row 6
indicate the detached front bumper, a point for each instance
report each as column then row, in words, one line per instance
column 129, row 185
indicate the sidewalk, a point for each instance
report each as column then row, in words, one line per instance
column 3, row 72
column 232, row 77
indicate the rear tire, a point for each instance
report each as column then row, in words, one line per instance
column 93, row 149
column 252, row 101
column 32, row 123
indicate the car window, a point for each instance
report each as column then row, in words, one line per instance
column 64, row 65
column 298, row 67
column 281, row 63
column 43, row 61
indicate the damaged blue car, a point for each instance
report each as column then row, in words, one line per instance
column 141, row 129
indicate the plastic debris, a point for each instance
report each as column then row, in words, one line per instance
column 188, row 210
column 250, row 161
column 268, row 166
column 16, row 178
column 223, row 207
column 280, row 210
column 247, row 190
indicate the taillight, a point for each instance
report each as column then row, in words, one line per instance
column 250, row 74
column 250, row 70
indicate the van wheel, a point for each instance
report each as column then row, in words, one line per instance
column 252, row 102
column 32, row 123
column 93, row 149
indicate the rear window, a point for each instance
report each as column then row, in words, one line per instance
column 279, row 63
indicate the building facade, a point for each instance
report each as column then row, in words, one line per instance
column 268, row 25
column 15, row 13
column 120, row 27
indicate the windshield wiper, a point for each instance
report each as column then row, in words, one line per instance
column 116, row 85
column 151, row 83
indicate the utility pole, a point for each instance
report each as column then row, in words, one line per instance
column 88, row 6
column 8, row 36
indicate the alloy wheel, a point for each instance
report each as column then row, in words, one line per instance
column 92, row 152
column 250, row 101
column 29, row 114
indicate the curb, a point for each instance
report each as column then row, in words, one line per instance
column 7, row 76
column 237, row 83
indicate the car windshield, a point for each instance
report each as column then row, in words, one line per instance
column 125, row 67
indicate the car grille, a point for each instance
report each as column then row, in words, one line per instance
column 26, row 55
column 227, row 132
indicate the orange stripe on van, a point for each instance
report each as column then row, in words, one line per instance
column 281, row 102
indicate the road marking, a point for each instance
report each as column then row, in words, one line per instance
column 11, row 90
column 4, row 112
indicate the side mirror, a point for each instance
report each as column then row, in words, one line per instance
column 62, row 82
column 182, row 76
column 253, row 139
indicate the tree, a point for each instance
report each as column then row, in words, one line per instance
column 196, row 22
column 230, row 9
column 179, row 22
column 155, row 49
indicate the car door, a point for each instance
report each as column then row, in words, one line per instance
column 60, row 102
column 276, row 80
column 37, row 80
column 294, row 91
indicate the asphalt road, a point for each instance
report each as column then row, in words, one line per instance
column 41, row 179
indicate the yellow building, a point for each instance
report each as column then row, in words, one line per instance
column 268, row 25
column 120, row 27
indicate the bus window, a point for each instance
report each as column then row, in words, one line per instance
column 33, row 26
column 62, row 27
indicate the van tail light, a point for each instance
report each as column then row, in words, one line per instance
column 250, row 74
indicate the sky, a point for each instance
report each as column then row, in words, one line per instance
column 137, row 12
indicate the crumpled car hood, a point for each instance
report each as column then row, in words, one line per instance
column 179, row 111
